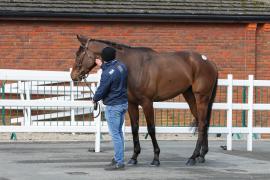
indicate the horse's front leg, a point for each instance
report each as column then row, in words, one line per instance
column 133, row 111
column 148, row 110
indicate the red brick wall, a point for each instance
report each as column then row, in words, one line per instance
column 263, row 52
column 240, row 49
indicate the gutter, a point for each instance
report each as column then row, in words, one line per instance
column 52, row 16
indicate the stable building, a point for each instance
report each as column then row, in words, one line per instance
column 41, row 34
column 235, row 34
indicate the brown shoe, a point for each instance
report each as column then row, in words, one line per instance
column 115, row 167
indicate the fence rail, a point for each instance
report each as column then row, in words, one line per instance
column 49, row 101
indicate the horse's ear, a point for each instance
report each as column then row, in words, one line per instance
column 82, row 39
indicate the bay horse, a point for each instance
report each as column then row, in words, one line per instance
column 155, row 76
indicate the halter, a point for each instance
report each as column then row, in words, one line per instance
column 85, row 48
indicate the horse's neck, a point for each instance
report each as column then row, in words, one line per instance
column 123, row 57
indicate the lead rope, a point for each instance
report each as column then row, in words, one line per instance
column 96, row 104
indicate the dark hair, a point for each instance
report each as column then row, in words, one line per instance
column 108, row 54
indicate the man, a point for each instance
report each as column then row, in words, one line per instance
column 113, row 91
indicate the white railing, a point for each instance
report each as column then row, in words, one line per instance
column 30, row 124
column 22, row 87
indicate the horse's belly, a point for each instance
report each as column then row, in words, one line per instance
column 170, row 89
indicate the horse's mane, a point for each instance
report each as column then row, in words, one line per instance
column 119, row 46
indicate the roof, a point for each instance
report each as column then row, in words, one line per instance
column 196, row 10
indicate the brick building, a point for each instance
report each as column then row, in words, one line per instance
column 235, row 34
column 41, row 34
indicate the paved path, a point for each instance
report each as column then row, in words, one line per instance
column 72, row 161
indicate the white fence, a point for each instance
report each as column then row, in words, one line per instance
column 31, row 123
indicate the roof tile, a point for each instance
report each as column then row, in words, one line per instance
column 138, row 7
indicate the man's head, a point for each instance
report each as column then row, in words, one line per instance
column 108, row 54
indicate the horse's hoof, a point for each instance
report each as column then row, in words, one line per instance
column 191, row 162
column 155, row 163
column 223, row 147
column 132, row 162
column 200, row 159
column 91, row 150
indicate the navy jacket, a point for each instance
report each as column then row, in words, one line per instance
column 113, row 84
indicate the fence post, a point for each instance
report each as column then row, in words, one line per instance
column 250, row 112
column 21, row 91
column 72, row 112
column 244, row 111
column 98, row 120
column 3, row 107
column 27, row 94
column 98, row 128
column 229, row 111
column 124, row 132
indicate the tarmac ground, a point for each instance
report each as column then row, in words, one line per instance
column 72, row 160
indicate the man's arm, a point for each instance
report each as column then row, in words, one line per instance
column 103, row 89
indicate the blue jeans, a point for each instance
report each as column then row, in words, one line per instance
column 115, row 118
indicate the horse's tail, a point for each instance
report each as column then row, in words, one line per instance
column 210, row 105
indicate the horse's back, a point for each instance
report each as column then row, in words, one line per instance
column 172, row 74
column 191, row 63
column 181, row 70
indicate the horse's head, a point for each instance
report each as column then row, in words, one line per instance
column 85, row 59
column 88, row 52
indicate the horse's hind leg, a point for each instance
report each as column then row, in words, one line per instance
column 133, row 111
column 190, row 98
column 202, row 102
column 148, row 110
column 204, row 149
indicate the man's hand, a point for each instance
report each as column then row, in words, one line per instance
column 98, row 62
